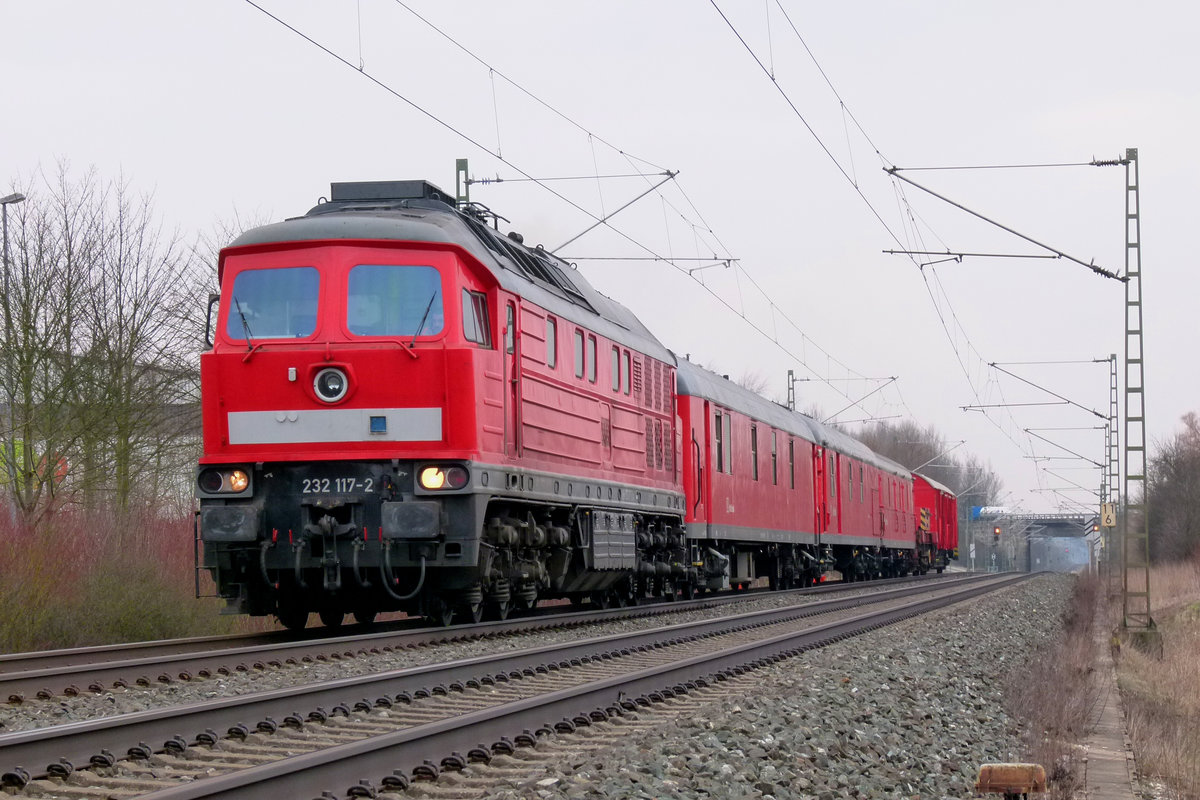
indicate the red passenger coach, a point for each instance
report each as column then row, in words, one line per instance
column 937, row 521
column 776, row 494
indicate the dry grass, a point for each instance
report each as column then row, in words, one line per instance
column 1162, row 697
column 100, row 579
column 1054, row 695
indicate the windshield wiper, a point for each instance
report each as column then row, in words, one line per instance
column 424, row 317
column 245, row 324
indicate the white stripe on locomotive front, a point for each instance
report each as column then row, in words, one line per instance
column 334, row 425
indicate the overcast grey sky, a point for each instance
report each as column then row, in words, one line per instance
column 216, row 108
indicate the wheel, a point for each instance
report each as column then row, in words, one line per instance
column 687, row 591
column 500, row 609
column 440, row 613
column 292, row 618
column 364, row 616
column 331, row 618
column 474, row 612
column 601, row 600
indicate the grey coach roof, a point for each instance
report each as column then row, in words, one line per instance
column 697, row 381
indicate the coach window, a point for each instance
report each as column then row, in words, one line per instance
column 774, row 461
column 625, row 375
column 389, row 300
column 792, row 461
column 728, row 446
column 849, row 482
column 591, row 358
column 861, row 492
column 578, row 353
column 754, row 452
column 551, row 342
column 831, row 478
column 616, row 368
column 719, row 443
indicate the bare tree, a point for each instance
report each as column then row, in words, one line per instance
column 99, row 349
column 1173, row 493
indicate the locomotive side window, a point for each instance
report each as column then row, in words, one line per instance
column 551, row 342
column 389, row 300
column 278, row 303
column 475, row 318
column 625, row 375
column 861, row 491
column 831, row 478
column 591, row 358
column 510, row 328
column 578, row 353
column 616, row 368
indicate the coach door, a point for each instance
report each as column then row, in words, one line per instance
column 820, row 491
column 512, row 378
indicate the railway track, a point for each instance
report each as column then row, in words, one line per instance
column 390, row 727
column 48, row 674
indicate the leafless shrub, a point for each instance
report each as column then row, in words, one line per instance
column 1162, row 705
column 1055, row 695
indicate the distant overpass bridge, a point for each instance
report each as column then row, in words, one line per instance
column 1061, row 542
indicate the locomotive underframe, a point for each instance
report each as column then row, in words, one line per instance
column 362, row 537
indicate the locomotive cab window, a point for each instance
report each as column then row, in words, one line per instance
column 625, row 375
column 389, row 300
column 475, row 318
column 278, row 303
column 616, row 368
column 551, row 342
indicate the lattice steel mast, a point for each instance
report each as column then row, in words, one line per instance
column 1135, row 523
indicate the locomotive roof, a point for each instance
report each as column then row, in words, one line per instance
column 417, row 211
column 694, row 380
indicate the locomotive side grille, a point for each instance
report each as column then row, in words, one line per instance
column 649, row 443
column 637, row 378
column 651, row 384
column 658, row 443
column 665, row 394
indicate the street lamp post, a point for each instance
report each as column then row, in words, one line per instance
column 10, row 453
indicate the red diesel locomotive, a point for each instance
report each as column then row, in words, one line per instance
column 405, row 409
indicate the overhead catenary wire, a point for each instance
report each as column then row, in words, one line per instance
column 779, row 88
column 901, row 200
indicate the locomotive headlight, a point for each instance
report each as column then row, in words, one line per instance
column 331, row 384
column 212, row 480
column 443, row 477
column 238, row 481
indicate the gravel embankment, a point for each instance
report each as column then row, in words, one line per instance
column 35, row 713
column 906, row 712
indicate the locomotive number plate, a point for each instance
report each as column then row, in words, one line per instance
column 336, row 485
